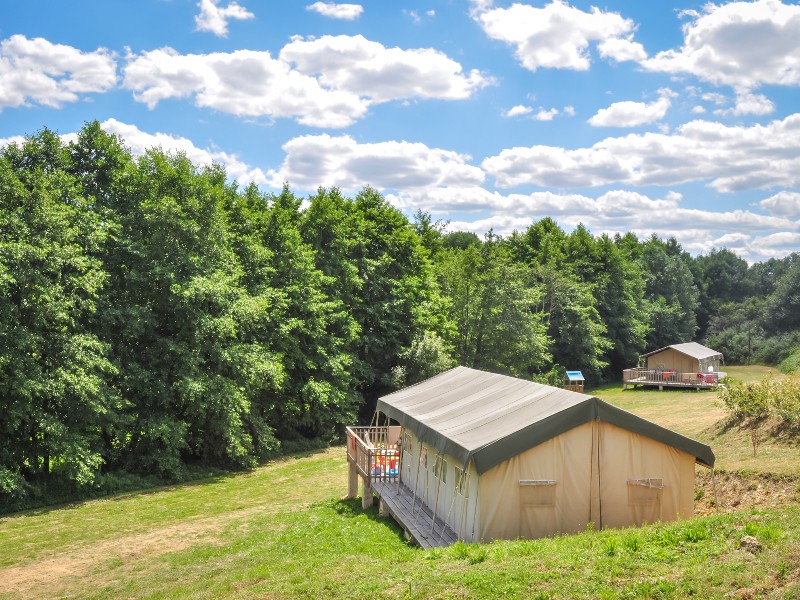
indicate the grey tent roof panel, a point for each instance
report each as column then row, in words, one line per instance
column 692, row 349
column 471, row 414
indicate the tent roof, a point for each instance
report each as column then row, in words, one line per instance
column 575, row 376
column 692, row 349
column 487, row 417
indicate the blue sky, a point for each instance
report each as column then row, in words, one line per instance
column 673, row 118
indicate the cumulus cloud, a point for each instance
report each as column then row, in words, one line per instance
column 325, row 82
column 774, row 245
column 345, row 12
column 519, row 109
column 751, row 235
column 36, row 71
column 558, row 35
column 369, row 69
column 783, row 204
column 215, row 19
column 622, row 49
column 139, row 142
column 243, row 83
column 340, row 161
column 731, row 158
column 543, row 114
column 748, row 103
column 631, row 114
column 740, row 44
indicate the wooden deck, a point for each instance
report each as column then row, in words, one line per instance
column 661, row 379
column 397, row 500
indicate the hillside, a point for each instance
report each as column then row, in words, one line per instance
column 281, row 531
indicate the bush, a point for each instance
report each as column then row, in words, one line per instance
column 791, row 363
column 745, row 400
column 774, row 397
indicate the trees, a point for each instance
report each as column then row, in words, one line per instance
column 54, row 371
column 573, row 273
column 376, row 265
column 722, row 277
column 670, row 292
column 494, row 303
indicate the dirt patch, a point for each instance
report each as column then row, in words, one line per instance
column 49, row 575
column 735, row 491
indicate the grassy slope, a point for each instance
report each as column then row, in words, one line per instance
column 280, row 531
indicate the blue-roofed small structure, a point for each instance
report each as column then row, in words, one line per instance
column 575, row 381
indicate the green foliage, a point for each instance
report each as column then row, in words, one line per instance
column 791, row 363
column 494, row 303
column 152, row 316
column 670, row 291
column 54, row 370
column 776, row 397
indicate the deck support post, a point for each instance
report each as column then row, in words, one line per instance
column 352, row 479
column 383, row 510
column 366, row 498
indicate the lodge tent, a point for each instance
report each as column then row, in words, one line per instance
column 690, row 357
column 501, row 458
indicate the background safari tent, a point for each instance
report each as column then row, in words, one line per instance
column 479, row 456
column 679, row 365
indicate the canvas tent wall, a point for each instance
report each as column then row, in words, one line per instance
column 685, row 358
column 500, row 457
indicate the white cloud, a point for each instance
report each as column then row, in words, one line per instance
column 243, row 83
column 519, row 109
column 631, row 114
column 774, row 245
column 698, row 110
column 731, row 158
column 752, row 104
column 345, row 12
column 716, row 98
column 371, row 70
column 139, row 141
column 783, row 204
column 741, row 44
column 340, row 161
column 14, row 139
column 326, row 82
column 215, row 19
column 36, row 71
column 558, row 35
column 569, row 110
column 751, row 235
column 545, row 114
column 622, row 49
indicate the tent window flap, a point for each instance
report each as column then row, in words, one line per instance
column 537, row 492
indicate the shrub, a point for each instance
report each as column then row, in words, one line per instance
column 791, row 363
column 774, row 397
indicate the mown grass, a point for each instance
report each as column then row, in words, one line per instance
column 281, row 531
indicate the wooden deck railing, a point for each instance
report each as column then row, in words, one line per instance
column 375, row 451
column 645, row 376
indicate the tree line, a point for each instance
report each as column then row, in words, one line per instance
column 155, row 315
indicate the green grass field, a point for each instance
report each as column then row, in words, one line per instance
column 281, row 531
